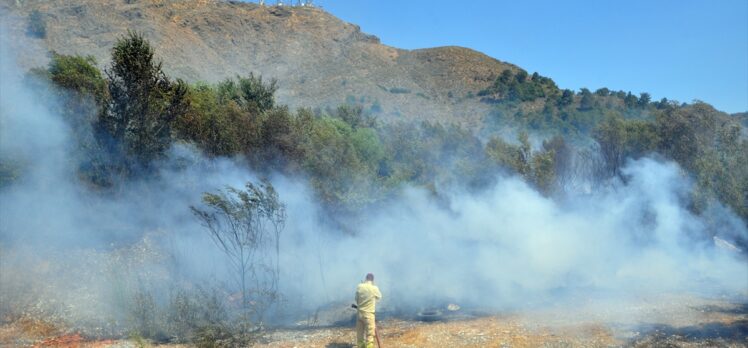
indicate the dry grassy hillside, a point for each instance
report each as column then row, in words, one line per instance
column 318, row 59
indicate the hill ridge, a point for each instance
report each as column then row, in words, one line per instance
column 318, row 59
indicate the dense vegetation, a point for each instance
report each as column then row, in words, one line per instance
column 710, row 145
column 135, row 113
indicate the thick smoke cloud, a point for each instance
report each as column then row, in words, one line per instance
column 511, row 246
column 506, row 247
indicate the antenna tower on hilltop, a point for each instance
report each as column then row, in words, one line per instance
column 299, row 3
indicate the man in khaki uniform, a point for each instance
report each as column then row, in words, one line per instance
column 367, row 295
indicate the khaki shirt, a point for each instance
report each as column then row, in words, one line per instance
column 367, row 295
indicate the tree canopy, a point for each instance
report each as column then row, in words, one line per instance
column 353, row 160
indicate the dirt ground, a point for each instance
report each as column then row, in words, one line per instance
column 671, row 321
column 666, row 321
column 483, row 332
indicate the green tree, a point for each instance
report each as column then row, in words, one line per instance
column 662, row 104
column 543, row 171
column 644, row 99
column 641, row 138
column 277, row 144
column 214, row 126
column 567, row 98
column 620, row 139
column 333, row 163
column 78, row 74
column 707, row 144
column 521, row 76
column 136, row 123
column 506, row 76
column 686, row 132
column 630, row 100
column 611, row 137
column 250, row 93
column 587, row 102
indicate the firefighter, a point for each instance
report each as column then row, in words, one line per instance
column 367, row 295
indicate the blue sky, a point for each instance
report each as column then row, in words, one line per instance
column 679, row 49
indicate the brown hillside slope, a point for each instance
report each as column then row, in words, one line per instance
column 318, row 59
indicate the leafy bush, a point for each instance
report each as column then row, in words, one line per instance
column 77, row 73
column 250, row 93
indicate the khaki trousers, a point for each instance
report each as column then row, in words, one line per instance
column 365, row 327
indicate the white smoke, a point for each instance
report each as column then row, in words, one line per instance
column 506, row 247
column 511, row 246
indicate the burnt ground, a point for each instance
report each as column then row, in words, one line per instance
column 662, row 321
